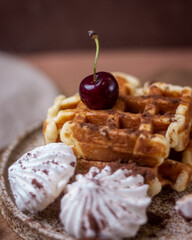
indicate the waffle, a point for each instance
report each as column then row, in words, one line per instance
column 176, row 170
column 143, row 126
column 171, row 172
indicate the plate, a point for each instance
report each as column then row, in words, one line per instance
column 163, row 221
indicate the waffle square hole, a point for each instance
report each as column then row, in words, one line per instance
column 129, row 123
column 134, row 108
column 177, row 156
column 97, row 120
column 160, row 128
column 167, row 110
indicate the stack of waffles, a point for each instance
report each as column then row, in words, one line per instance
column 147, row 131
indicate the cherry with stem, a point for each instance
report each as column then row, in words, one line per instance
column 99, row 90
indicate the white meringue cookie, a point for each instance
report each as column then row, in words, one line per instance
column 105, row 205
column 39, row 176
column 184, row 206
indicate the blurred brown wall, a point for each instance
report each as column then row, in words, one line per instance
column 42, row 25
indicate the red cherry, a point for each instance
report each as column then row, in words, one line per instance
column 100, row 94
column 99, row 90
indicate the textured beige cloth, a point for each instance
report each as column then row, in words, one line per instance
column 25, row 95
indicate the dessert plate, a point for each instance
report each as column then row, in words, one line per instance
column 163, row 221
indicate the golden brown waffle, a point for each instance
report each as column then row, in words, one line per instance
column 142, row 127
column 177, row 170
column 174, row 173
column 174, row 102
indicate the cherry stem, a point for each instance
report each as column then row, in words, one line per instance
column 94, row 36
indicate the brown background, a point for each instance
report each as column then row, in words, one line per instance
column 43, row 25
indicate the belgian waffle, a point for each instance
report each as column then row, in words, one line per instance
column 142, row 127
column 176, row 170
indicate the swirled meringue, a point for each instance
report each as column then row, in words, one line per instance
column 39, row 176
column 184, row 206
column 105, row 205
